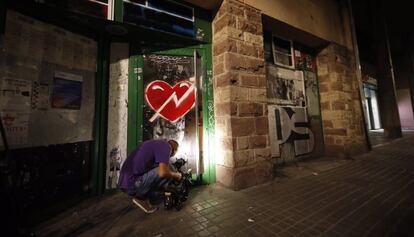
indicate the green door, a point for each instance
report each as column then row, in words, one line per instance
column 169, row 98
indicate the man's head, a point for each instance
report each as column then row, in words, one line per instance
column 174, row 147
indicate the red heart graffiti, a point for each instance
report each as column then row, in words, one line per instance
column 171, row 103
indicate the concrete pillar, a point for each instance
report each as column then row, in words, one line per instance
column 388, row 107
column 117, row 112
column 342, row 113
column 242, row 133
column 411, row 66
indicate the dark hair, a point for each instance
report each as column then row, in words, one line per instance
column 174, row 146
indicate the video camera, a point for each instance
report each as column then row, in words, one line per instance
column 177, row 192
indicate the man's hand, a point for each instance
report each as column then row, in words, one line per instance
column 165, row 172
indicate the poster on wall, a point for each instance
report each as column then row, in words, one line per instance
column 285, row 86
column 290, row 125
column 312, row 95
column 15, row 94
column 67, row 91
column 304, row 61
column 16, row 126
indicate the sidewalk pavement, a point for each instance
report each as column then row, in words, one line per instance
column 370, row 195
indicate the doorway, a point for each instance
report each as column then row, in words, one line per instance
column 167, row 101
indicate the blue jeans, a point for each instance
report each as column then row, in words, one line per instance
column 148, row 184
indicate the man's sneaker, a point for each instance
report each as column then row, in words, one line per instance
column 145, row 205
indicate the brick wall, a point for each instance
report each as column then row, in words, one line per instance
column 243, row 151
column 340, row 102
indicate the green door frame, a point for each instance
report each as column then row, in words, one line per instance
column 136, row 102
column 101, row 114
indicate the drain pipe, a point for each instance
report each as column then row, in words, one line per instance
column 359, row 74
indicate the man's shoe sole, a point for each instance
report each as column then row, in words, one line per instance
column 143, row 208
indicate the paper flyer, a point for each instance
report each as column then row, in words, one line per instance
column 67, row 91
column 15, row 94
column 16, row 126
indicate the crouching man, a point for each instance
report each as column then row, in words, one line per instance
column 146, row 171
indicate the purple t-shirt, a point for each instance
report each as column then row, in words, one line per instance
column 144, row 158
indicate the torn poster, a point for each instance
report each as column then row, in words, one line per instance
column 16, row 126
column 67, row 91
column 40, row 96
column 15, row 94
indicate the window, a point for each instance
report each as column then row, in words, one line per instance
column 282, row 52
column 96, row 8
column 163, row 15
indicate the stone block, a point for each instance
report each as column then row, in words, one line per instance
column 225, row 175
column 347, row 88
column 262, row 154
column 247, row 26
column 226, row 108
column 262, row 125
column 336, row 131
column 323, row 88
column 222, row 94
column 252, row 15
column 225, row 45
column 222, row 125
column 336, row 68
column 250, row 109
column 258, row 141
column 244, row 63
column 239, row 93
column 244, row 177
column 339, row 141
column 262, row 81
column 226, row 20
column 243, row 143
column 227, row 143
column 226, row 79
column 329, row 139
column 225, row 158
column 218, row 68
column 332, row 114
column 242, row 126
column 258, row 95
column 334, row 77
column 256, row 39
column 325, row 106
column 338, row 105
column 235, row 7
column 219, row 59
column 246, row 49
column 244, row 158
column 336, row 86
column 327, row 124
column 345, row 123
column 322, row 70
column 249, row 80
column 234, row 33
column 260, row 50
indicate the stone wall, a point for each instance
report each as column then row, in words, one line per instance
column 242, row 133
column 341, row 109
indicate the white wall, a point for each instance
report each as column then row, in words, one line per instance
column 117, row 109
